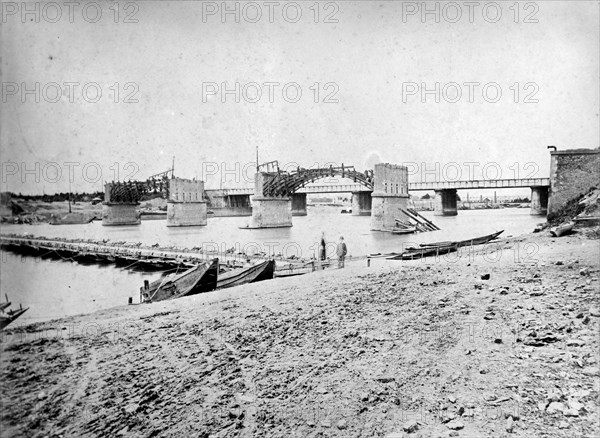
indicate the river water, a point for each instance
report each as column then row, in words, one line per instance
column 54, row 288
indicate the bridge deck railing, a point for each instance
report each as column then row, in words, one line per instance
column 415, row 186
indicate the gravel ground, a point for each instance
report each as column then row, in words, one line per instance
column 423, row 348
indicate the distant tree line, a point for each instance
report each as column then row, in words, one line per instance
column 59, row 197
column 519, row 200
column 75, row 197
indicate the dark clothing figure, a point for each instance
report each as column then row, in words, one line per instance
column 341, row 252
column 323, row 250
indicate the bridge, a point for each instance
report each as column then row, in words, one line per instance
column 415, row 186
column 186, row 205
column 445, row 200
column 277, row 195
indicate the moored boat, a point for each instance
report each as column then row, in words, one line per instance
column 292, row 270
column 440, row 248
column 417, row 253
column 202, row 278
column 258, row 272
column 467, row 242
column 406, row 230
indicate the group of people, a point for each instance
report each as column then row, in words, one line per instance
column 341, row 250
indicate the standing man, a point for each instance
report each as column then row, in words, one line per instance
column 341, row 252
column 323, row 249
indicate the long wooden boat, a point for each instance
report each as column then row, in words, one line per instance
column 202, row 278
column 379, row 255
column 441, row 248
column 258, row 272
column 292, row 270
column 467, row 242
column 428, row 251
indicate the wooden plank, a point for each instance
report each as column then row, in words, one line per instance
column 423, row 218
column 428, row 227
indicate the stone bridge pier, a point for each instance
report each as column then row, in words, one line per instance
column 390, row 195
column 299, row 204
column 361, row 203
column 186, row 206
column 119, row 213
column 269, row 212
column 445, row 203
column 539, row 201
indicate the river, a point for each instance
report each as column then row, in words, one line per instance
column 53, row 288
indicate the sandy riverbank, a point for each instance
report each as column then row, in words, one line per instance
column 420, row 348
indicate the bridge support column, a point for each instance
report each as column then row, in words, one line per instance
column 390, row 195
column 120, row 213
column 445, row 203
column 271, row 212
column 186, row 206
column 299, row 204
column 186, row 214
column 361, row 203
column 539, row 201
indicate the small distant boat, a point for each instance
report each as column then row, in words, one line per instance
column 73, row 219
column 258, row 272
column 405, row 230
column 346, row 210
column 200, row 279
column 562, row 229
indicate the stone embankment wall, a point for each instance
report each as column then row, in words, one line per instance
column 573, row 172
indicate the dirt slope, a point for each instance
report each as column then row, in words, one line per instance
column 397, row 349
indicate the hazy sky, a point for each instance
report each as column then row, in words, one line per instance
column 370, row 57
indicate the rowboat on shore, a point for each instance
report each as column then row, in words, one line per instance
column 562, row 229
column 292, row 270
column 467, row 242
column 258, row 272
column 441, row 248
column 199, row 279
column 427, row 251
